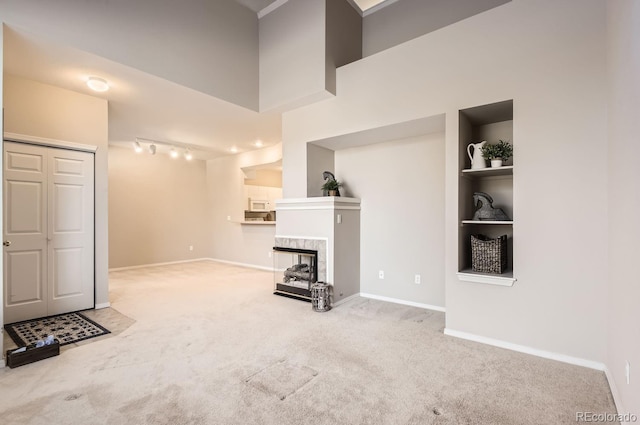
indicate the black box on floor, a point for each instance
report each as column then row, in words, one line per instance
column 32, row 354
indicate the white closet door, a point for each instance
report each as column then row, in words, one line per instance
column 25, row 229
column 49, row 221
column 70, row 231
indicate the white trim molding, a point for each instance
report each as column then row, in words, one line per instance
column 526, row 350
column 403, row 302
column 168, row 263
column 345, row 300
column 614, row 392
column 318, row 203
column 41, row 141
column 236, row 263
column 102, row 305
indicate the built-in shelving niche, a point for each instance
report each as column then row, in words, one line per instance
column 490, row 122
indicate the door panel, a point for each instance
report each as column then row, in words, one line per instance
column 70, row 228
column 49, row 219
column 25, row 223
column 67, row 273
column 24, row 269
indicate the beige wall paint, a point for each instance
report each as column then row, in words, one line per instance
column 270, row 178
column 231, row 240
column 504, row 53
column 2, row 187
column 40, row 110
column 623, row 18
column 158, row 207
column 399, row 182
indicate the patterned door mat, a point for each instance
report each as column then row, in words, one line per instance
column 66, row 328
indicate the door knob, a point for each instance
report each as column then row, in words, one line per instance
column 6, row 243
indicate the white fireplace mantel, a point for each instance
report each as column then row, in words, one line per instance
column 335, row 219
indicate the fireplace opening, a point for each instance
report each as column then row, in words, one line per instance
column 294, row 271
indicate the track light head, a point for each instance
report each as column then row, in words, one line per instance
column 188, row 155
column 152, row 149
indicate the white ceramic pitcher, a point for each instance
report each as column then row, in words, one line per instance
column 477, row 160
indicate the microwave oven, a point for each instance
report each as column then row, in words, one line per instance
column 259, row 205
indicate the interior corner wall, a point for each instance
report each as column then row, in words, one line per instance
column 40, row 110
column 193, row 39
column 2, row 351
column 556, row 305
column 232, row 241
column 624, row 202
column 380, row 30
column 158, row 209
column 292, row 54
column 401, row 184
column 319, row 160
column 343, row 38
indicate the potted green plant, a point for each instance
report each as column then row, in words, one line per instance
column 331, row 186
column 497, row 153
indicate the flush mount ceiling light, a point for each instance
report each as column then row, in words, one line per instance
column 258, row 143
column 98, row 84
column 233, row 149
column 188, row 155
column 173, row 153
column 137, row 147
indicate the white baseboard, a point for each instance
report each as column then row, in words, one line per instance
column 527, row 350
column 168, row 263
column 344, row 300
column 403, row 302
column 614, row 392
column 235, row 263
column 102, row 305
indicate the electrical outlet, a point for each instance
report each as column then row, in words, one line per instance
column 627, row 372
column 381, row 274
column 339, row 218
column 417, row 279
column 190, row 247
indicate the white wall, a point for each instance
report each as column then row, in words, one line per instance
column 623, row 18
column 158, row 208
column 40, row 110
column 209, row 46
column 400, row 181
column 230, row 240
column 549, row 57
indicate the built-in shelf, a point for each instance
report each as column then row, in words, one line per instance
column 506, row 170
column 259, row 223
column 504, row 279
column 505, row 222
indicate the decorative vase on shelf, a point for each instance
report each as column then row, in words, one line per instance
column 495, row 163
column 477, row 160
column 333, row 192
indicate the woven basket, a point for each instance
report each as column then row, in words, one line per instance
column 488, row 255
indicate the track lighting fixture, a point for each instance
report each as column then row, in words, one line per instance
column 152, row 146
column 173, row 153
column 137, row 147
column 152, row 149
column 188, row 155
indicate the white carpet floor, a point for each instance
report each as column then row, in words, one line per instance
column 208, row 343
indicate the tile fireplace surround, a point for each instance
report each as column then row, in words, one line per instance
column 319, row 245
column 331, row 226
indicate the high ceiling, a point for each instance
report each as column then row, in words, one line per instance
column 140, row 104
